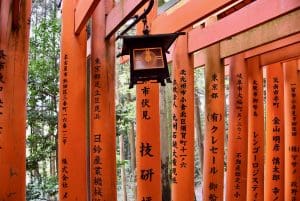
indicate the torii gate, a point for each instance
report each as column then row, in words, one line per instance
column 87, row 169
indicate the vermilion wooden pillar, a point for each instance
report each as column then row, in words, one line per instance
column 255, row 170
column 102, row 135
column 298, row 120
column 298, row 109
column 72, row 157
column 238, row 130
column 14, row 44
column 183, row 123
column 291, row 133
column 213, row 175
column 148, row 160
column 148, row 142
column 274, row 150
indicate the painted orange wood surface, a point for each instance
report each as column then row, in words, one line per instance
column 183, row 123
column 298, row 117
column 280, row 54
column 298, row 107
column 16, row 9
column 291, row 133
column 148, row 153
column 213, row 172
column 148, row 167
column 102, row 135
column 200, row 38
column 238, row 131
column 72, row 145
column 274, row 150
column 121, row 13
column 186, row 15
column 83, row 11
column 272, row 46
column 14, row 45
column 255, row 170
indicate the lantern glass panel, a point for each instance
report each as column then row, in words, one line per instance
column 148, row 58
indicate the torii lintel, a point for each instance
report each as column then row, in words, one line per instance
column 83, row 11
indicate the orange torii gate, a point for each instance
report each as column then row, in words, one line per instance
column 87, row 164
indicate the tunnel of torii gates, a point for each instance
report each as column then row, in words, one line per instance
column 249, row 41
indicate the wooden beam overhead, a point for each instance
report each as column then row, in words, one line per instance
column 121, row 13
column 83, row 11
column 281, row 54
column 186, row 15
column 285, row 25
column 282, row 49
column 281, row 43
column 244, row 19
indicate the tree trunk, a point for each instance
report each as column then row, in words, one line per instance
column 132, row 148
column 123, row 173
column 199, row 134
column 132, row 157
column 164, row 139
column 52, row 164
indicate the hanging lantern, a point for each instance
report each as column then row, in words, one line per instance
column 148, row 57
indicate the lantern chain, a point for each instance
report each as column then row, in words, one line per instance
column 146, row 29
column 142, row 17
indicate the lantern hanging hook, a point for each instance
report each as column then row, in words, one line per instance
column 138, row 18
column 146, row 29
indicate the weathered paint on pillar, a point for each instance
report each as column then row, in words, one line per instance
column 238, row 130
column 274, row 150
column 298, row 116
column 148, row 168
column 103, row 133
column 255, row 170
column 72, row 139
column 213, row 170
column 291, row 133
column 183, row 123
column 14, row 45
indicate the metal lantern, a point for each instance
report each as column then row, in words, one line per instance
column 148, row 57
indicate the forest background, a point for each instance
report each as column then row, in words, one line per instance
column 42, row 112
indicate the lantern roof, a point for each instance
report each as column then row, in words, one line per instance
column 145, row 41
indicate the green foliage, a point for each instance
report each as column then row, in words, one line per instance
column 42, row 190
column 125, row 109
column 121, row 162
column 125, row 119
column 125, row 115
column 42, row 102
